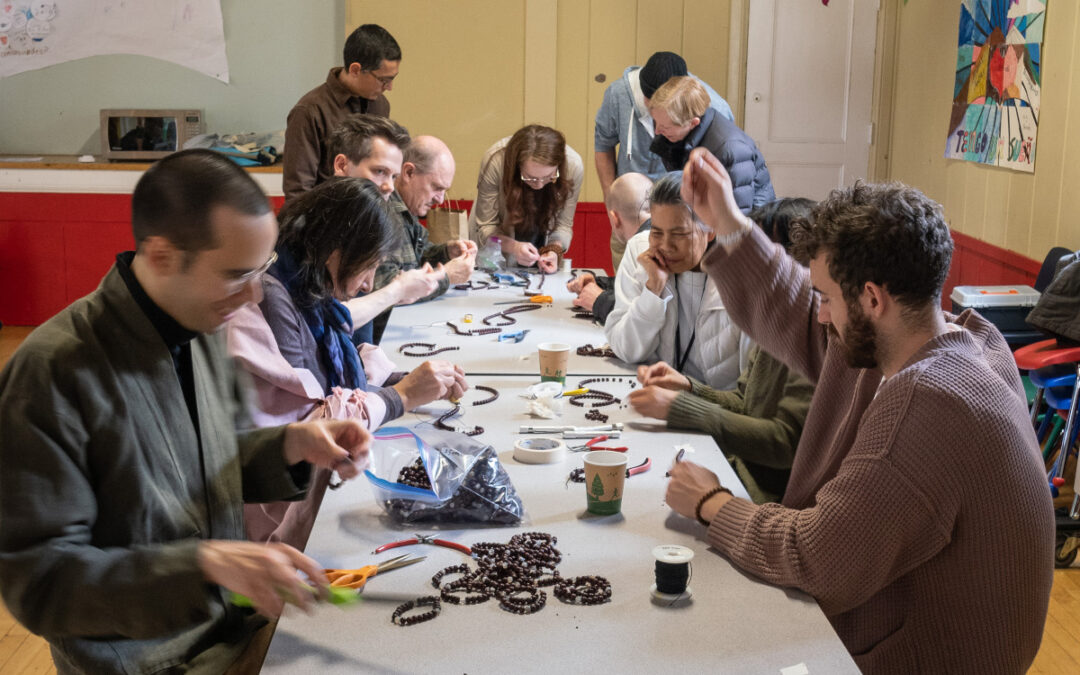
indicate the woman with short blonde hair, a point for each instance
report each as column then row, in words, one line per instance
column 683, row 121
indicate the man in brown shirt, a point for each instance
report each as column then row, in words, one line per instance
column 917, row 513
column 372, row 57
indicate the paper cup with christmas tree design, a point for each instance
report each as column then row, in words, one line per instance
column 554, row 357
column 605, row 476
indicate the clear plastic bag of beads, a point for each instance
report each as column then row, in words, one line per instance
column 435, row 476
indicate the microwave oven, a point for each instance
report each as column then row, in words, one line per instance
column 134, row 134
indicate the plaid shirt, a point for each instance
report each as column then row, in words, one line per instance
column 413, row 249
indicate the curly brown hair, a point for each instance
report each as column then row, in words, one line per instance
column 888, row 234
column 529, row 211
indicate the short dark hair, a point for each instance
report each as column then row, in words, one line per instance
column 353, row 137
column 370, row 45
column 667, row 191
column 888, row 234
column 777, row 218
column 346, row 214
column 175, row 196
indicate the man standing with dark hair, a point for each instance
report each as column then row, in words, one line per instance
column 122, row 473
column 371, row 61
column 917, row 512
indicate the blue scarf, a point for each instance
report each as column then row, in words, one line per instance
column 330, row 323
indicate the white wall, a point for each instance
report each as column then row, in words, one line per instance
column 277, row 51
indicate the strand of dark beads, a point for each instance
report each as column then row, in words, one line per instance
column 427, row 600
column 430, row 346
column 534, row 600
column 441, row 423
column 490, row 390
column 473, row 331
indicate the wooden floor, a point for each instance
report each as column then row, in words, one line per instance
column 23, row 654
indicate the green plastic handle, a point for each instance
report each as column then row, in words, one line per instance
column 338, row 596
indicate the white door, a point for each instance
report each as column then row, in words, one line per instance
column 809, row 85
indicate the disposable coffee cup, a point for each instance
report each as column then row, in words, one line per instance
column 605, row 477
column 566, row 265
column 554, row 357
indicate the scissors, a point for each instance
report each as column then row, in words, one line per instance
column 536, row 298
column 592, row 445
column 358, row 577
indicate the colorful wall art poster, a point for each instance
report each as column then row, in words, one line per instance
column 39, row 33
column 995, row 111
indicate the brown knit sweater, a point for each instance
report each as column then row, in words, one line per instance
column 917, row 512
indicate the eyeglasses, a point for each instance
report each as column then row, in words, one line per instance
column 383, row 79
column 235, row 284
column 540, row 182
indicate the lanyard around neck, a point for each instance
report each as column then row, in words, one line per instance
column 681, row 357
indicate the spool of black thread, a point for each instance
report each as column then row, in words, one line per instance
column 671, row 578
column 672, row 574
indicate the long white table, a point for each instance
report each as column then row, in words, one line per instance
column 485, row 354
column 733, row 624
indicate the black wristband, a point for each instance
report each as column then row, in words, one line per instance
column 706, row 497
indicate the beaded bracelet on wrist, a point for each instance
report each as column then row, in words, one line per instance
column 706, row 497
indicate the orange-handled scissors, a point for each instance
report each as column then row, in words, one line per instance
column 358, row 577
column 536, row 298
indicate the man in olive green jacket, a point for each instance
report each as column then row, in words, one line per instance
column 121, row 471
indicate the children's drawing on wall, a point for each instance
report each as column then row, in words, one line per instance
column 995, row 112
column 39, row 33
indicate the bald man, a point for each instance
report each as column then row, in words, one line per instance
column 627, row 205
column 427, row 170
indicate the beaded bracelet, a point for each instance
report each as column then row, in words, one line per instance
column 430, row 346
column 583, row 590
column 533, row 602
column 706, row 497
column 427, row 600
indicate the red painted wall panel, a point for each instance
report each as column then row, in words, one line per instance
column 55, row 248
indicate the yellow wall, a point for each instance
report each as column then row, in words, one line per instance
column 1026, row 213
column 474, row 71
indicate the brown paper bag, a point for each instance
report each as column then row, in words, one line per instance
column 447, row 224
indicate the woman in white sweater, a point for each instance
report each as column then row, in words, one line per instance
column 666, row 309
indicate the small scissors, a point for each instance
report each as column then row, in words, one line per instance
column 592, row 445
column 358, row 577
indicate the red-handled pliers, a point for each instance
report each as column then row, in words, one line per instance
column 426, row 539
column 592, row 445
column 640, row 468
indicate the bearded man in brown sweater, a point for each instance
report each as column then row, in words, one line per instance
column 917, row 513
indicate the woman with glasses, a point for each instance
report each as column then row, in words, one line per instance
column 296, row 343
column 526, row 195
column 684, row 120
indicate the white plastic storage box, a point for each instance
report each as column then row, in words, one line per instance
column 1004, row 306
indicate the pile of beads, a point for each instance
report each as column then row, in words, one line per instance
column 415, row 475
column 429, row 346
column 595, row 415
column 427, row 600
column 515, row 574
column 589, row 350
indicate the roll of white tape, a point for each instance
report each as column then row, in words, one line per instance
column 539, row 450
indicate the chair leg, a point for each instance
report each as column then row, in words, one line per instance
column 1035, row 405
column 1070, row 422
